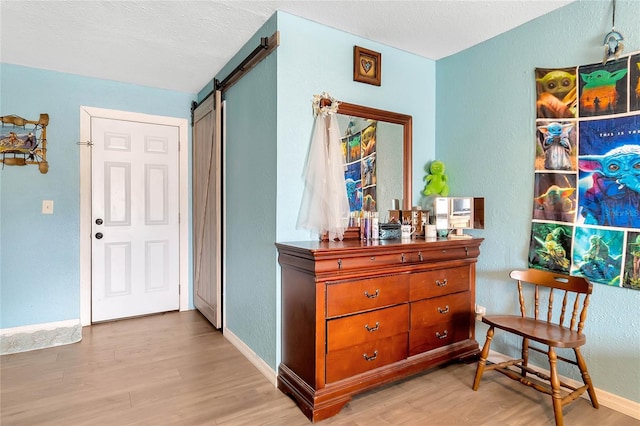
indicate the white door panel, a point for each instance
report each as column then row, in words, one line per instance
column 135, row 230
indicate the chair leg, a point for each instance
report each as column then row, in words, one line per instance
column 483, row 359
column 555, row 387
column 586, row 378
column 525, row 356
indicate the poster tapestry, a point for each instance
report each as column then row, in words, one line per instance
column 586, row 201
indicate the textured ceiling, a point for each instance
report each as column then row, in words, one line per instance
column 181, row 45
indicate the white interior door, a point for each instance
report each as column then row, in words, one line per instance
column 207, row 283
column 135, row 229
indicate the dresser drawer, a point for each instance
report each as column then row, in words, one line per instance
column 364, row 357
column 438, row 335
column 349, row 297
column 438, row 282
column 350, row 263
column 425, row 313
column 367, row 327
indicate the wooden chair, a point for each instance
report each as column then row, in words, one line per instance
column 550, row 331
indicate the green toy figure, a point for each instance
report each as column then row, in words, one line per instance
column 436, row 180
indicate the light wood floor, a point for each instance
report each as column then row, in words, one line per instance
column 175, row 369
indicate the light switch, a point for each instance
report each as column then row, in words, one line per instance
column 47, row 206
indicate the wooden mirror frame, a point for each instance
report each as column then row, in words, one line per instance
column 406, row 121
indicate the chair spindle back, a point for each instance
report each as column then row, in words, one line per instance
column 573, row 287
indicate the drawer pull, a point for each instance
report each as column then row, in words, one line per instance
column 372, row 357
column 402, row 257
column 372, row 296
column 373, row 258
column 442, row 336
column 441, row 283
column 443, row 311
column 420, row 256
column 377, row 326
column 339, row 263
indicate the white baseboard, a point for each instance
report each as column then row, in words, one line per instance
column 254, row 359
column 39, row 336
column 609, row 400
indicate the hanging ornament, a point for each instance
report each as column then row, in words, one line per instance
column 613, row 44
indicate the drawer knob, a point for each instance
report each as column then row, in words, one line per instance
column 372, row 357
column 372, row 296
column 420, row 256
column 443, row 335
column 443, row 311
column 377, row 326
column 339, row 263
column 441, row 283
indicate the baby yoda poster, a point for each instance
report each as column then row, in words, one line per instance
column 586, row 201
column 603, row 88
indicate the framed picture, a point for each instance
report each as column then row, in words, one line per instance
column 367, row 66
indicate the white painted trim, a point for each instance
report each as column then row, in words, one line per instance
column 615, row 402
column 86, row 113
column 254, row 359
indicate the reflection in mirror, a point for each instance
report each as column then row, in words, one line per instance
column 377, row 147
column 381, row 160
column 459, row 213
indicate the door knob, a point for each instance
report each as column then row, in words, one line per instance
column 99, row 235
column 98, row 221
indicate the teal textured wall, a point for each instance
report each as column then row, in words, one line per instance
column 269, row 125
column 313, row 59
column 39, row 267
column 250, row 212
column 485, row 131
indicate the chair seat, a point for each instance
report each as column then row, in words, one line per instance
column 538, row 330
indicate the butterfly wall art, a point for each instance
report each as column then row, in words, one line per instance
column 367, row 66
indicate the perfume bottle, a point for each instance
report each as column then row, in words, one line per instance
column 366, row 230
column 375, row 229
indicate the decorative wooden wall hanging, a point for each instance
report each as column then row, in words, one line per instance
column 367, row 66
column 24, row 141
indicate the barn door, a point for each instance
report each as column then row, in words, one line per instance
column 207, row 196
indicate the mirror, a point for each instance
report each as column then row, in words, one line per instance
column 458, row 213
column 393, row 141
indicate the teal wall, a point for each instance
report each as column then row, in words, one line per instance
column 269, row 125
column 250, row 212
column 312, row 59
column 485, row 131
column 39, row 266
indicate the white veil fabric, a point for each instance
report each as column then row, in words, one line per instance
column 325, row 206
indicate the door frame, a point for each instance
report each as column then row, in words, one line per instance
column 86, row 113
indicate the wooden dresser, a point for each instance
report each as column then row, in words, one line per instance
column 357, row 315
